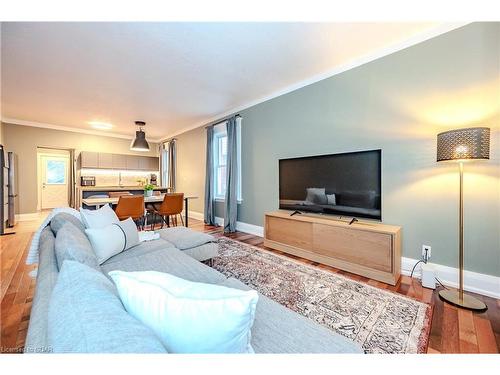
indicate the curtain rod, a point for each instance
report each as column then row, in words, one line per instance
column 222, row 120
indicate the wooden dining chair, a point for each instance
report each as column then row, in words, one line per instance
column 171, row 205
column 131, row 206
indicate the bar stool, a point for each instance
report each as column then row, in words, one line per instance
column 131, row 206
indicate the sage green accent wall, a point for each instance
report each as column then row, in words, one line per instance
column 397, row 103
column 24, row 140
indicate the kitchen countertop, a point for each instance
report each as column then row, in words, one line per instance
column 116, row 188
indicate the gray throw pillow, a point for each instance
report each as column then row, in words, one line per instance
column 86, row 316
column 62, row 218
column 316, row 195
column 72, row 244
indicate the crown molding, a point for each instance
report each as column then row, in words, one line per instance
column 43, row 125
column 414, row 40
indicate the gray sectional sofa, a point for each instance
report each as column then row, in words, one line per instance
column 69, row 315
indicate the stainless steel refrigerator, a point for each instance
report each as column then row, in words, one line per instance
column 12, row 189
column 8, row 189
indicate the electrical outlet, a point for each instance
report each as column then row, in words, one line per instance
column 426, row 249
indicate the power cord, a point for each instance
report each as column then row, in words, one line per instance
column 415, row 266
column 440, row 283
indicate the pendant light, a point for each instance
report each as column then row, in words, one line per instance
column 140, row 143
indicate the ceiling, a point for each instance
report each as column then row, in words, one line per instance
column 175, row 76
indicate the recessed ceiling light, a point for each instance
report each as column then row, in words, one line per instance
column 100, row 125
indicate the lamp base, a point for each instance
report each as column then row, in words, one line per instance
column 467, row 302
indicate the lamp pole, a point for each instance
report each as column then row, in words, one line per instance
column 461, row 234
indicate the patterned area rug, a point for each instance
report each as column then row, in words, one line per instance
column 381, row 321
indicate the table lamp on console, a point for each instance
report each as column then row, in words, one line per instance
column 463, row 145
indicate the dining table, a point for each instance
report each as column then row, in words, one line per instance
column 99, row 202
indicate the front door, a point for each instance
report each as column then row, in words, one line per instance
column 54, row 180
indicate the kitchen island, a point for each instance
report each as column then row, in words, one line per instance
column 84, row 192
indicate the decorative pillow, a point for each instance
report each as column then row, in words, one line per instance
column 316, row 195
column 72, row 244
column 62, row 218
column 86, row 316
column 100, row 218
column 331, row 199
column 113, row 239
column 189, row 317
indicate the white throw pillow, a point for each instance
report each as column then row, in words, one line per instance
column 331, row 199
column 113, row 239
column 100, row 218
column 189, row 317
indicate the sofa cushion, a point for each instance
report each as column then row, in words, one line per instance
column 141, row 249
column 184, row 238
column 62, row 218
column 278, row 329
column 189, row 317
column 72, row 244
column 203, row 252
column 86, row 316
column 170, row 260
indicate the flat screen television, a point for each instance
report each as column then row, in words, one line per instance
column 347, row 184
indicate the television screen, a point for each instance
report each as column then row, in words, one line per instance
column 347, row 184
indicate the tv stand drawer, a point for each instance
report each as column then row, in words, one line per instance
column 370, row 249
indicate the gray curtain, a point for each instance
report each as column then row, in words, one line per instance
column 172, row 161
column 231, row 199
column 209, row 179
column 163, row 165
column 72, row 179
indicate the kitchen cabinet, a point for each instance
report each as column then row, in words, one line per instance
column 154, row 164
column 89, row 159
column 132, row 162
column 103, row 160
column 119, row 161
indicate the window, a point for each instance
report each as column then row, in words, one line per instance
column 164, row 165
column 220, row 160
column 56, row 172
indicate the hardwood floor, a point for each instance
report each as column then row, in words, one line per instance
column 452, row 330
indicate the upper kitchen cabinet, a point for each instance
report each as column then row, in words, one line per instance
column 105, row 161
column 132, row 162
column 119, row 161
column 102, row 160
column 89, row 159
column 154, row 164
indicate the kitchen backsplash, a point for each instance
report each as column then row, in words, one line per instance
column 113, row 178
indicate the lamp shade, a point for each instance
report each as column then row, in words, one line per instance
column 139, row 143
column 464, row 144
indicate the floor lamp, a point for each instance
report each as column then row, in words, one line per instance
column 463, row 145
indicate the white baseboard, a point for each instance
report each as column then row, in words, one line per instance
column 473, row 282
column 196, row 215
column 27, row 217
column 244, row 227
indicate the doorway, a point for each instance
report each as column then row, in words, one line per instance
column 53, row 178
